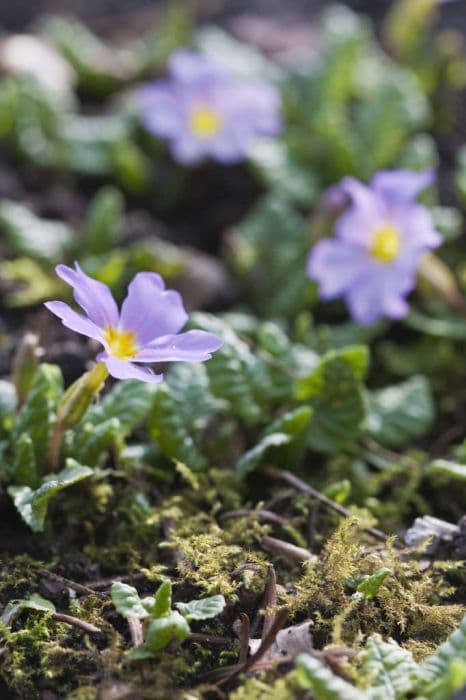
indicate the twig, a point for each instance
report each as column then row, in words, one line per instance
column 78, row 587
column 301, row 485
column 244, row 637
column 76, row 622
column 265, row 645
column 285, row 549
column 224, row 675
column 270, row 602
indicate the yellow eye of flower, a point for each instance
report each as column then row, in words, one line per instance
column 121, row 344
column 386, row 244
column 205, row 122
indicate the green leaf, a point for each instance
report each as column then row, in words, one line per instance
column 88, row 143
column 407, row 24
column 316, row 676
column 167, row 427
column 290, row 429
column 272, row 161
column 90, row 442
column 140, row 653
column 100, row 68
column 334, row 390
column 175, row 31
column 268, row 254
column 449, row 325
column 41, row 239
column 182, row 408
column 164, row 630
column 104, row 221
column 130, row 402
column 31, row 283
column 239, row 58
column 254, row 456
column 439, row 668
column 400, row 413
column 231, row 369
column 202, row 609
column 442, row 470
column 126, row 600
column 391, row 670
column 16, row 607
column 37, row 416
column 8, row 400
column 24, row 465
column 370, row 585
column 32, row 505
column 163, row 600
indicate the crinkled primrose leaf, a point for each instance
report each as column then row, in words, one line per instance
column 32, row 504
column 127, row 602
column 391, row 669
column 16, row 607
column 400, row 413
column 335, row 392
column 202, row 609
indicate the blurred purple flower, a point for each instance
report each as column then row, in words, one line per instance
column 202, row 111
column 373, row 259
column 145, row 330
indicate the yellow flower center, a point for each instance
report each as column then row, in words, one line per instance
column 205, row 122
column 386, row 244
column 121, row 344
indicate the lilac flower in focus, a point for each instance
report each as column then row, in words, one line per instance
column 379, row 240
column 145, row 330
column 202, row 111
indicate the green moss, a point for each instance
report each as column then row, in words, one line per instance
column 267, row 687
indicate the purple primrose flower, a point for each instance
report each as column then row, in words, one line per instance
column 202, row 111
column 145, row 330
column 373, row 259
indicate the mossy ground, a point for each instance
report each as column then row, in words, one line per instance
column 186, row 538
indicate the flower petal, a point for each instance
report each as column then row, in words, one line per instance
column 417, row 226
column 150, row 310
column 121, row 369
column 191, row 67
column 255, row 108
column 94, row 297
column 380, row 293
column 188, row 150
column 362, row 196
column 401, row 185
column 160, row 109
column 227, row 149
column 193, row 346
column 335, row 265
column 71, row 319
column 365, row 213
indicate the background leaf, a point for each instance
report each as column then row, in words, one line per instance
column 400, row 413
column 33, row 505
